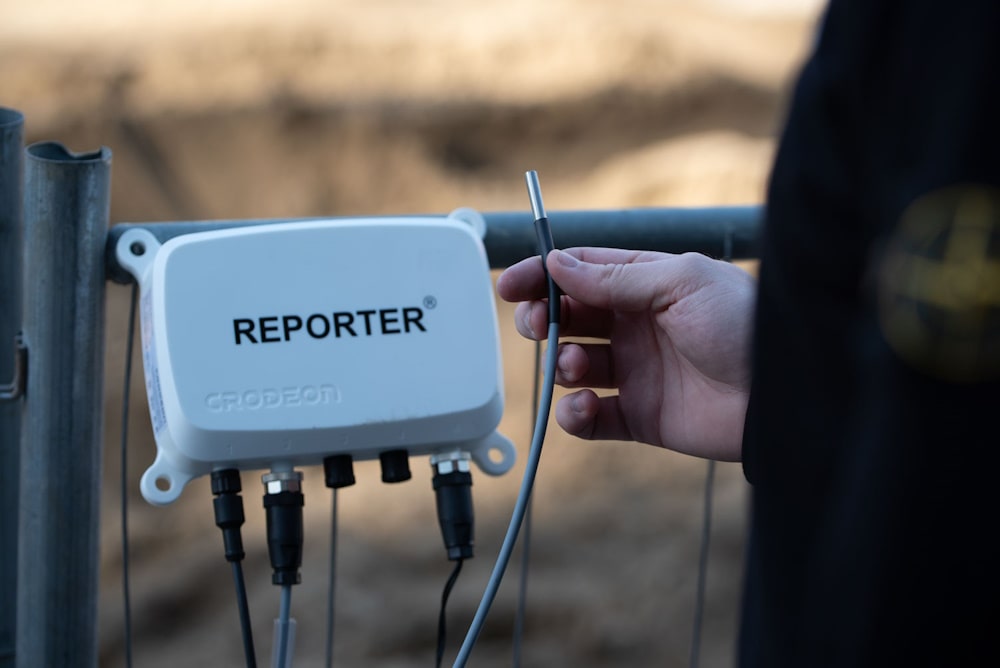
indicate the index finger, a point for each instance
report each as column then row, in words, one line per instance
column 525, row 280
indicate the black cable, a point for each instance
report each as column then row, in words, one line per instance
column 283, row 501
column 441, row 617
column 229, row 517
column 452, row 483
column 126, row 390
column 244, row 608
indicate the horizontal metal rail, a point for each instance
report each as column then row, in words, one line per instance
column 730, row 231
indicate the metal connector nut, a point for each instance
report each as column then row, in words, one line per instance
column 276, row 482
column 448, row 462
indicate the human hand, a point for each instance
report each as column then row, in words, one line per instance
column 676, row 333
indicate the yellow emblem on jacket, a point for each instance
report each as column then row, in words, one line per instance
column 939, row 284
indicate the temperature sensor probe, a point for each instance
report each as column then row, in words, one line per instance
column 538, row 435
column 545, row 245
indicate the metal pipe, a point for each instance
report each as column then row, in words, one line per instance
column 66, row 210
column 510, row 236
column 11, row 239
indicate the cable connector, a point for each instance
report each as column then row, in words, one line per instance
column 229, row 515
column 338, row 471
column 452, row 483
column 228, row 504
column 283, row 502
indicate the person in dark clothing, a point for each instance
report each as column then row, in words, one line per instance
column 858, row 380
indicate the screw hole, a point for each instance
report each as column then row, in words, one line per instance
column 163, row 483
column 138, row 248
column 496, row 455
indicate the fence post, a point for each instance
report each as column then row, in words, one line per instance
column 66, row 212
column 11, row 238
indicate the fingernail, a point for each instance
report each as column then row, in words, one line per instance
column 560, row 365
column 565, row 259
column 526, row 322
column 576, row 403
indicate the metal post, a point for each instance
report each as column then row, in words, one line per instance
column 11, row 237
column 66, row 211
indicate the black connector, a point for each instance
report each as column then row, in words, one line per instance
column 338, row 471
column 229, row 515
column 452, row 483
column 228, row 504
column 395, row 465
column 283, row 502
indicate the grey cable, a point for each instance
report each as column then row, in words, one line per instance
column 522, row 591
column 706, row 526
column 520, row 507
column 284, row 621
column 331, row 591
column 706, row 535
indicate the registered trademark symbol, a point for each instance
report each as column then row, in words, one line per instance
column 430, row 301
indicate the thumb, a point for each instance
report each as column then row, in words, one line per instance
column 625, row 285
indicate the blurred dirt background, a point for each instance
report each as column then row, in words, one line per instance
column 250, row 109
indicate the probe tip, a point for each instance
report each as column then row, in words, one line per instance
column 535, row 194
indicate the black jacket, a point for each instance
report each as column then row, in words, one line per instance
column 871, row 439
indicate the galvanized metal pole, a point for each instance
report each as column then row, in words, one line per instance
column 66, row 211
column 11, row 240
column 730, row 231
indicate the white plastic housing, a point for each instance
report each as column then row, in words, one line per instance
column 275, row 345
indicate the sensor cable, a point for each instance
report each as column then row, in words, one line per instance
column 126, row 390
column 544, row 235
column 522, row 590
column 441, row 616
column 283, row 502
column 452, row 484
column 331, row 591
column 338, row 471
column 229, row 517
column 706, row 525
column 284, row 630
column 527, row 482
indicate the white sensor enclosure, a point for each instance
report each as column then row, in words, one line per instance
column 274, row 345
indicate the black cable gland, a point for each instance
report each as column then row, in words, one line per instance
column 395, row 465
column 226, row 481
column 228, row 505
column 283, row 511
column 339, row 471
column 229, row 517
column 453, row 495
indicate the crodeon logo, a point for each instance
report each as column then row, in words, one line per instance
column 338, row 324
column 293, row 396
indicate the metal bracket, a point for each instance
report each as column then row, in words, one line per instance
column 15, row 389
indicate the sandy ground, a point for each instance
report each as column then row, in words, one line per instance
column 252, row 109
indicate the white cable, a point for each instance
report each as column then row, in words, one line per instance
column 531, row 467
